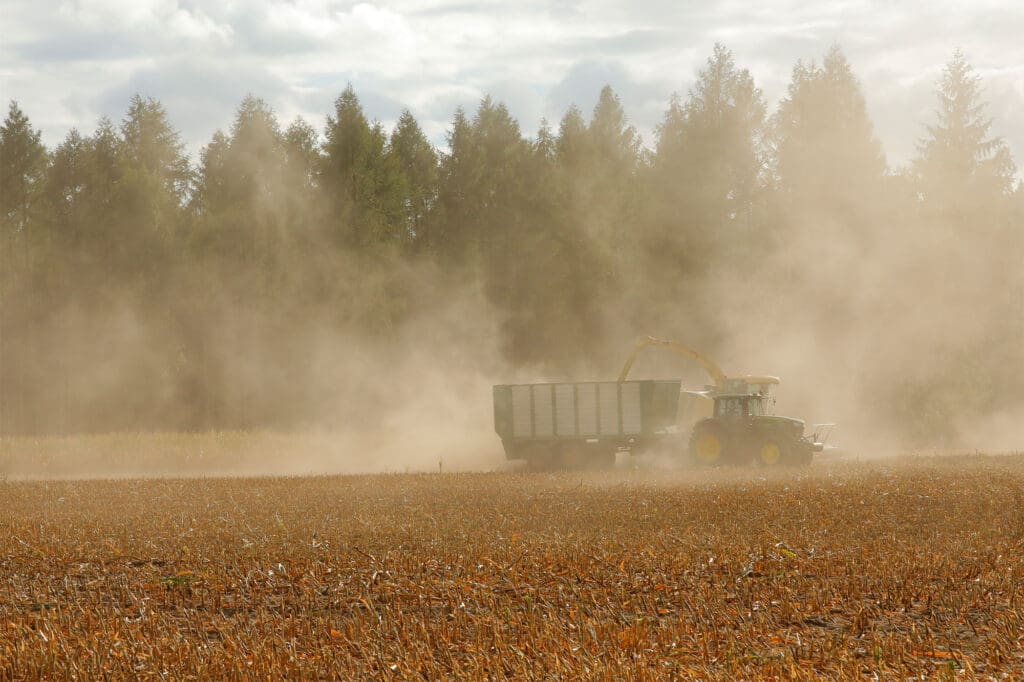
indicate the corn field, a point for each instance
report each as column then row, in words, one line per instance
column 901, row 569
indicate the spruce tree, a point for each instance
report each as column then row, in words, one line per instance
column 23, row 163
column 418, row 162
column 362, row 181
column 827, row 157
column 960, row 165
column 709, row 159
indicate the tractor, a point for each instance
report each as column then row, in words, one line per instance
column 741, row 430
column 741, row 427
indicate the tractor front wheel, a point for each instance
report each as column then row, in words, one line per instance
column 770, row 453
column 707, row 446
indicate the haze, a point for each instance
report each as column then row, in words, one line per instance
column 348, row 222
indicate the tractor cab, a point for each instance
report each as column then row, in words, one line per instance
column 759, row 392
column 740, row 405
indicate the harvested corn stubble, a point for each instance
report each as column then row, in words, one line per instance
column 894, row 568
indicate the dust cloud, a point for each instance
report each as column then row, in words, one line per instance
column 292, row 350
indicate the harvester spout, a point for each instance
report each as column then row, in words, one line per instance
column 707, row 363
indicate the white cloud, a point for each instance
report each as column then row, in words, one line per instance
column 166, row 20
column 199, row 57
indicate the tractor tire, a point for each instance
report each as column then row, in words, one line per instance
column 770, row 453
column 708, row 446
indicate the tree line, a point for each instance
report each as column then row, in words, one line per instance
column 140, row 290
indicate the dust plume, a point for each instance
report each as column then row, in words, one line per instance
column 307, row 302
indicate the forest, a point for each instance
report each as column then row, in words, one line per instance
column 280, row 273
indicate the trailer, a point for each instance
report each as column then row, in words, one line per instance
column 583, row 424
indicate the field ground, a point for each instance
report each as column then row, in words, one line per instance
column 234, row 453
column 897, row 568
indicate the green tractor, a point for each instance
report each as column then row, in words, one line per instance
column 742, row 430
column 733, row 420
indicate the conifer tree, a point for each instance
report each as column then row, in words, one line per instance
column 152, row 147
column 303, row 198
column 708, row 162
column 362, row 180
column 960, row 165
column 23, row 162
column 418, row 162
column 825, row 110
column 67, row 181
column 480, row 184
column 302, row 154
column 154, row 181
column 23, row 165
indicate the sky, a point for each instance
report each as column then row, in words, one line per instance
column 67, row 63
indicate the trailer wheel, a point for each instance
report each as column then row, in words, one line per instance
column 600, row 459
column 579, row 456
column 541, row 458
column 570, row 456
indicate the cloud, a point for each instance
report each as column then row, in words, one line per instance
column 100, row 31
column 583, row 82
column 67, row 67
column 199, row 96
